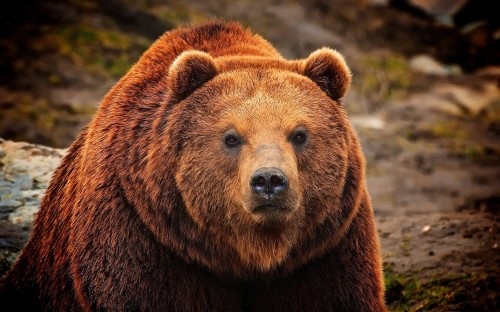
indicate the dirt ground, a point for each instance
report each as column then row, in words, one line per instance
column 431, row 138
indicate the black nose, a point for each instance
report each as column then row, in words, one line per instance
column 269, row 181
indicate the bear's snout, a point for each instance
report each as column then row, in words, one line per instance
column 268, row 182
column 269, row 188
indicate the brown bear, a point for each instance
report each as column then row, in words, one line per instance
column 215, row 176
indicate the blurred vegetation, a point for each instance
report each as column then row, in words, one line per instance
column 49, row 127
column 385, row 78
column 103, row 52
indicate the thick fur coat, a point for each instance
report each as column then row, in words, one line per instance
column 161, row 203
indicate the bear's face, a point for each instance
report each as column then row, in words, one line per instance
column 262, row 155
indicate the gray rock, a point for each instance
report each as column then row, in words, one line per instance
column 427, row 65
column 439, row 7
column 9, row 205
column 456, row 99
column 25, row 171
column 24, row 215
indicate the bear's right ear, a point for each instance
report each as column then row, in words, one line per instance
column 189, row 71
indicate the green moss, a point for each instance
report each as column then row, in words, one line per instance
column 53, row 125
column 408, row 293
column 451, row 129
column 405, row 244
column 104, row 52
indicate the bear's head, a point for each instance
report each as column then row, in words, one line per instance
column 256, row 154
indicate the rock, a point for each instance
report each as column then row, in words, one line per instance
column 471, row 100
column 24, row 215
column 25, row 170
column 439, row 7
column 428, row 100
column 458, row 100
column 370, row 122
column 489, row 71
column 9, row 205
column 427, row 65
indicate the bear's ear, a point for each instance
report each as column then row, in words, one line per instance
column 328, row 69
column 189, row 71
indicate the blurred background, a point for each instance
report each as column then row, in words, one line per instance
column 59, row 57
column 425, row 102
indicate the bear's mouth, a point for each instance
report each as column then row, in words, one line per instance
column 270, row 209
column 277, row 211
column 271, row 214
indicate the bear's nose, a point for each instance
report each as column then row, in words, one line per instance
column 268, row 181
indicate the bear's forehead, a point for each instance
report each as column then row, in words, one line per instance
column 265, row 111
column 268, row 75
column 255, row 95
column 273, row 87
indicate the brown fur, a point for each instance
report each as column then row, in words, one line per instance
column 151, row 211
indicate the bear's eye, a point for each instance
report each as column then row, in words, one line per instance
column 299, row 137
column 232, row 141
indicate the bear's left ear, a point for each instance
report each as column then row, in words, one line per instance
column 189, row 71
column 328, row 69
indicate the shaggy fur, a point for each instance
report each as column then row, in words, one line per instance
column 151, row 210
